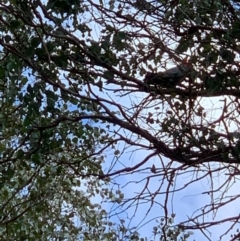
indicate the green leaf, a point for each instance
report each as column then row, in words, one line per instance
column 35, row 42
column 108, row 75
column 61, row 61
column 2, row 73
column 7, row 38
column 10, row 65
column 83, row 28
column 75, row 140
column 30, row 51
column 40, row 53
column 183, row 46
column 95, row 49
column 15, row 24
column 227, row 56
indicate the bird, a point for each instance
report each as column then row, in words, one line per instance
column 153, row 169
column 169, row 78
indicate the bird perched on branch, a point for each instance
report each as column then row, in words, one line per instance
column 169, row 78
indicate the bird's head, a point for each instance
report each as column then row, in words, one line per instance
column 149, row 77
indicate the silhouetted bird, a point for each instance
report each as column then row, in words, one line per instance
column 169, row 78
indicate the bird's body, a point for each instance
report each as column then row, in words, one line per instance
column 169, row 78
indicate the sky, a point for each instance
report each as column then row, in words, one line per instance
column 183, row 203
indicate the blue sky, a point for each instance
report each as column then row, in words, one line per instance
column 182, row 203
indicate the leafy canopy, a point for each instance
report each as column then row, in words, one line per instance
column 73, row 103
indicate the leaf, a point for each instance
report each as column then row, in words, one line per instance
column 8, row 38
column 10, row 65
column 227, row 56
column 108, row 75
column 183, row 46
column 40, row 53
column 61, row 61
column 95, row 49
column 2, row 73
column 15, row 24
column 35, row 41
column 30, row 51
column 75, row 140
column 83, row 28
